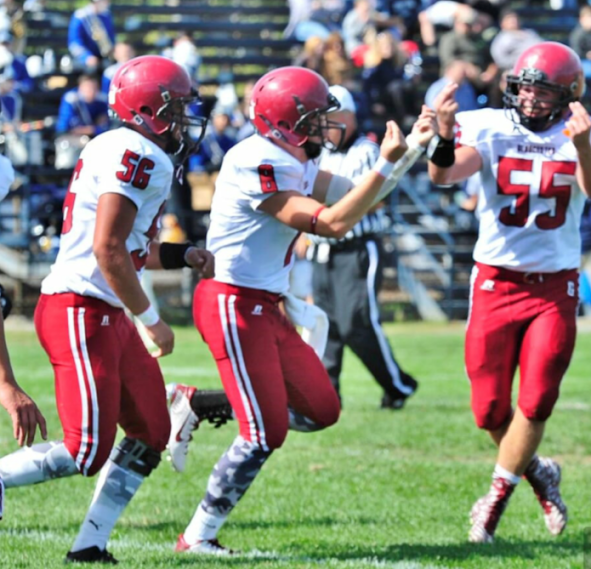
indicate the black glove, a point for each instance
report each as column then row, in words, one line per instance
column 5, row 303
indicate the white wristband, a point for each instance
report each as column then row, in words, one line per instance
column 383, row 167
column 148, row 317
column 413, row 143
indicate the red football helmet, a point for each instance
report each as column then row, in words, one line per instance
column 291, row 103
column 153, row 93
column 551, row 66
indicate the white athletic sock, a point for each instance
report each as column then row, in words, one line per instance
column 115, row 487
column 501, row 472
column 203, row 526
column 41, row 462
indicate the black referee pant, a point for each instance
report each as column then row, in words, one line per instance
column 346, row 288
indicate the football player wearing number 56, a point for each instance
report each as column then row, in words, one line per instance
column 269, row 190
column 104, row 375
column 534, row 159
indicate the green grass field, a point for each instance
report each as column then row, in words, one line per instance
column 380, row 489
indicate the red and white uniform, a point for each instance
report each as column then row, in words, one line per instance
column 263, row 362
column 524, row 291
column 251, row 248
column 122, row 162
column 103, row 372
column 530, row 201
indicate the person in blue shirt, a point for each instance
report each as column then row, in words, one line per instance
column 83, row 110
column 91, row 34
column 218, row 139
column 455, row 72
column 122, row 53
column 13, row 65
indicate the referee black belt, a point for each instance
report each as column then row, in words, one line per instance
column 352, row 244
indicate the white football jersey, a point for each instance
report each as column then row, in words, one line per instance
column 529, row 202
column 120, row 161
column 251, row 248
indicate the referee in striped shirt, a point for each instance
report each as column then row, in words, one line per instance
column 348, row 273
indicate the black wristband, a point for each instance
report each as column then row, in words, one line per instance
column 172, row 255
column 5, row 303
column 441, row 152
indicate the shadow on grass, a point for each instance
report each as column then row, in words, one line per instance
column 558, row 549
column 301, row 522
column 433, row 554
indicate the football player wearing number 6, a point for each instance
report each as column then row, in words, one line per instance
column 269, row 190
column 534, row 160
column 104, row 375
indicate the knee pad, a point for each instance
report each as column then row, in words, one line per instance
column 135, row 455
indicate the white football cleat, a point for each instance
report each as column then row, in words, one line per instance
column 545, row 481
column 202, row 547
column 487, row 511
column 183, row 422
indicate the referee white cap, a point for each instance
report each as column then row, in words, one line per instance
column 344, row 97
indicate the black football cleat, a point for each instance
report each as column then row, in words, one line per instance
column 397, row 401
column 91, row 555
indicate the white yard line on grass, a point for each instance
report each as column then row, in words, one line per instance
column 139, row 545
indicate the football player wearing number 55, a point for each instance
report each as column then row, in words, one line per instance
column 104, row 375
column 269, row 190
column 534, row 159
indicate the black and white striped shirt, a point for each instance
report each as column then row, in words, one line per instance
column 354, row 161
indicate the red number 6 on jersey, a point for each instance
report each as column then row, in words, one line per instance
column 136, row 170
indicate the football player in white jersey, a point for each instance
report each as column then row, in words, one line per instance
column 23, row 412
column 104, row 375
column 268, row 191
column 534, row 159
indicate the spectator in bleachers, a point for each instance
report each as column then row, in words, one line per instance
column 122, row 53
column 457, row 71
column 298, row 12
column 470, row 41
column 184, row 52
column 438, row 14
column 322, row 18
column 311, row 54
column 580, row 39
column 356, row 24
column 11, row 103
column 336, row 67
column 219, row 138
column 19, row 74
column 512, row 40
column 459, row 43
column 242, row 120
column 91, row 35
column 13, row 21
column 83, row 111
column 401, row 16
column 384, row 83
